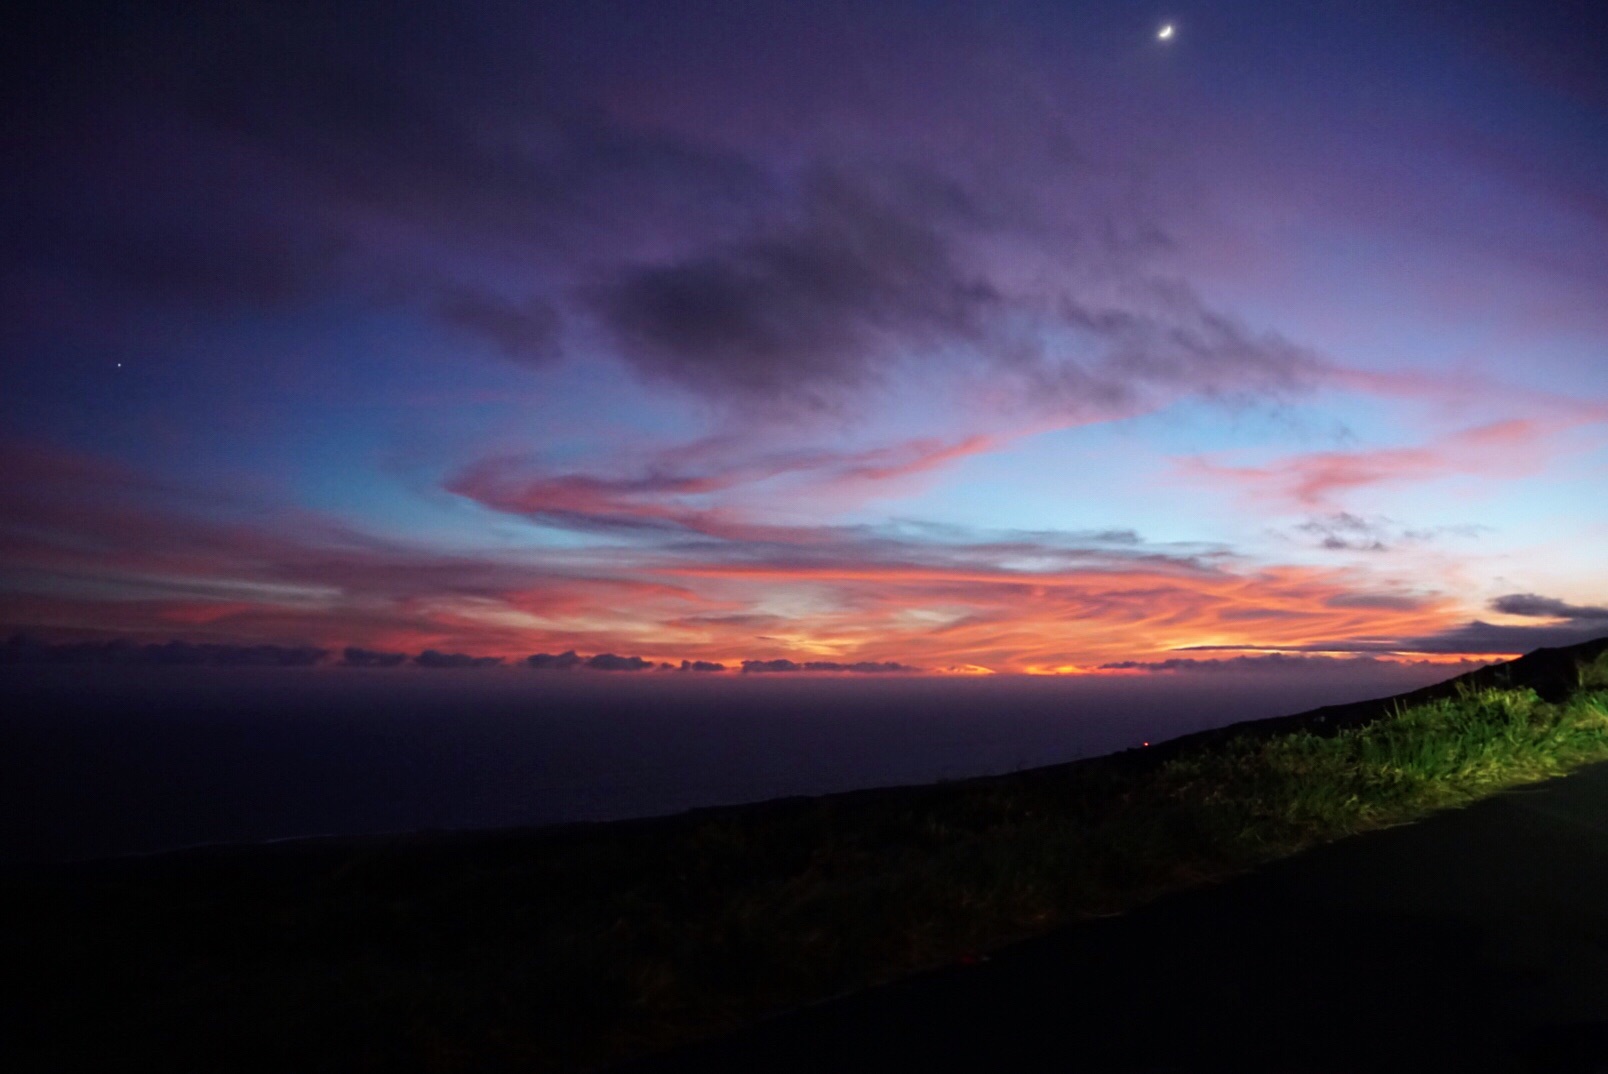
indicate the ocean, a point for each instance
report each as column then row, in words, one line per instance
column 104, row 761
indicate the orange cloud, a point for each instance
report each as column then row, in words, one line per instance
column 939, row 599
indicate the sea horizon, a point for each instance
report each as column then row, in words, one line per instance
column 114, row 762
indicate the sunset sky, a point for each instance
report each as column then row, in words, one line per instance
column 1003, row 336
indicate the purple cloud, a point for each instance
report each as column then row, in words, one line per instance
column 611, row 662
column 866, row 667
column 23, row 649
column 354, row 657
column 1538, row 607
column 550, row 662
column 432, row 658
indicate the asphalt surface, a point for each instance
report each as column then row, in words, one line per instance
column 1474, row 940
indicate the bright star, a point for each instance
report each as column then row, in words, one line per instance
column 1166, row 32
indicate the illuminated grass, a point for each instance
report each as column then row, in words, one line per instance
column 563, row 949
column 1299, row 789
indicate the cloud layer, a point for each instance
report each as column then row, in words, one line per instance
column 22, row 649
column 800, row 337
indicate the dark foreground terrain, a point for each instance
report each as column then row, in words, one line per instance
column 1473, row 940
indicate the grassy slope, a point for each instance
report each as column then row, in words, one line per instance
column 572, row 946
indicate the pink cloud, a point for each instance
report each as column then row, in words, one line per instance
column 672, row 490
column 1468, row 391
column 805, row 593
column 1321, row 480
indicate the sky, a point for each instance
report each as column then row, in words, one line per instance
column 960, row 338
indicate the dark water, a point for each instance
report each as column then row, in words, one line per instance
column 104, row 761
